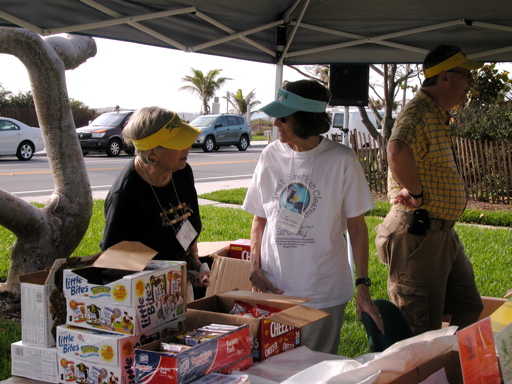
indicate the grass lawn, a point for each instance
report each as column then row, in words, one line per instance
column 488, row 248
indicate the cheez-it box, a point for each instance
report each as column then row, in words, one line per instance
column 240, row 249
column 273, row 334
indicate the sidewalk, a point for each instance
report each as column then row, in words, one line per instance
column 200, row 187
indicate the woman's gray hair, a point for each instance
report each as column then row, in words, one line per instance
column 143, row 123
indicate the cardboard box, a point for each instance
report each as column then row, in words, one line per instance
column 271, row 335
column 240, row 249
column 37, row 363
column 89, row 314
column 125, row 275
column 211, row 248
column 108, row 348
column 132, row 300
column 450, row 361
column 229, row 274
column 77, row 371
column 224, row 353
column 36, row 317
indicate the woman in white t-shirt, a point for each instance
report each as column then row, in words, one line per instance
column 306, row 193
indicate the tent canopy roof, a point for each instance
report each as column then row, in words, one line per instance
column 292, row 32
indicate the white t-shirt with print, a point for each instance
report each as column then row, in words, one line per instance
column 325, row 185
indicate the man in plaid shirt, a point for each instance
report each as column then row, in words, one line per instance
column 430, row 275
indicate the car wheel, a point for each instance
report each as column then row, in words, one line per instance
column 114, row 148
column 243, row 144
column 209, row 144
column 25, row 151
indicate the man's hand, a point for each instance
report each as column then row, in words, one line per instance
column 403, row 197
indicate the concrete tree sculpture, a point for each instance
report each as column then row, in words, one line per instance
column 55, row 230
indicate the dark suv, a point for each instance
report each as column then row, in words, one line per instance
column 103, row 134
column 222, row 130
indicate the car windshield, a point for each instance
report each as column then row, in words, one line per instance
column 112, row 120
column 203, row 121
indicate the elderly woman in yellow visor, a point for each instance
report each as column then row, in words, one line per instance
column 154, row 200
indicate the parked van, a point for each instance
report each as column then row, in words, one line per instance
column 337, row 115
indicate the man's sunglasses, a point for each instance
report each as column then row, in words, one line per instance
column 282, row 119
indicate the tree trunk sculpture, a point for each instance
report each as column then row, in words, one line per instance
column 55, row 230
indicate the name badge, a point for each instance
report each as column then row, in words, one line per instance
column 290, row 220
column 186, row 234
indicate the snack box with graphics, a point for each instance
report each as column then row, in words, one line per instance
column 222, row 353
column 35, row 363
column 76, row 371
column 125, row 275
column 91, row 314
column 272, row 334
column 108, row 348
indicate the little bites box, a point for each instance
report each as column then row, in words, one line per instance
column 224, row 353
column 108, row 348
column 125, row 275
column 76, row 371
column 91, row 314
column 271, row 335
column 132, row 300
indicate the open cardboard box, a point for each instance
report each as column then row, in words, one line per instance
column 271, row 335
column 125, row 291
column 36, row 317
column 228, row 274
column 223, row 354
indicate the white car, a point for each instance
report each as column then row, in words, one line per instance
column 19, row 139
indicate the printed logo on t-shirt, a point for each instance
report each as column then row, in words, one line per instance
column 295, row 197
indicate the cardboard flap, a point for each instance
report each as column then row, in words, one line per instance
column 298, row 316
column 42, row 277
column 269, row 297
column 229, row 274
column 126, row 255
column 210, row 248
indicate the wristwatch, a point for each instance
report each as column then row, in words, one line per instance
column 364, row 280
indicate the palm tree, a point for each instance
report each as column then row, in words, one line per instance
column 204, row 86
column 243, row 104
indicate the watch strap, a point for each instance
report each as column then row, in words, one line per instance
column 364, row 280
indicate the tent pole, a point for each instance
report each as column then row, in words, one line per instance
column 278, row 84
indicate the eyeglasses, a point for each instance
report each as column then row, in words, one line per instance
column 282, row 119
column 467, row 75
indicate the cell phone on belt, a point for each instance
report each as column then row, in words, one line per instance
column 420, row 222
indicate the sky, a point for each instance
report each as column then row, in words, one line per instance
column 134, row 76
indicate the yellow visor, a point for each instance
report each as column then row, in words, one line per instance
column 457, row 60
column 175, row 134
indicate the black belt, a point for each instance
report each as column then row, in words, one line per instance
column 435, row 224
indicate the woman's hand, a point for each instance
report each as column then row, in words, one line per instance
column 261, row 284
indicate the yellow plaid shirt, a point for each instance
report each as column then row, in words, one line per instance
column 422, row 125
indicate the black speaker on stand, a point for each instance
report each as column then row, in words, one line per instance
column 349, row 84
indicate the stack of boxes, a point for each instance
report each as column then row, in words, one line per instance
column 122, row 301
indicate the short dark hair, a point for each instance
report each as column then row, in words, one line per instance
column 436, row 56
column 309, row 124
